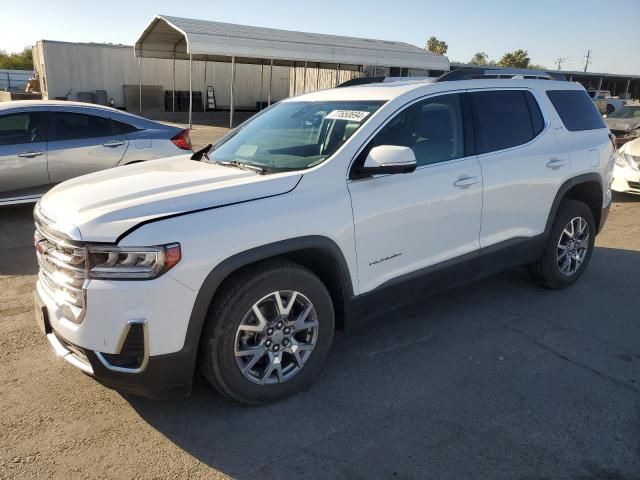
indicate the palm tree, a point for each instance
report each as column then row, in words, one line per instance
column 480, row 58
column 436, row 46
column 517, row 59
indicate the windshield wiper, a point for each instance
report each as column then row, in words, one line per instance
column 243, row 166
column 203, row 152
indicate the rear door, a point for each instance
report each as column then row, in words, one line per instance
column 522, row 165
column 23, row 153
column 81, row 143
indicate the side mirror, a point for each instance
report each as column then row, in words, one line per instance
column 387, row 159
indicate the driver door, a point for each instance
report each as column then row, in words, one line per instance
column 406, row 223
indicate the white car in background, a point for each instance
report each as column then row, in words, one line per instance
column 626, row 173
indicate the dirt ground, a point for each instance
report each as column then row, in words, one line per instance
column 497, row 379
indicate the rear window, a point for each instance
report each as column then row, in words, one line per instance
column 505, row 119
column 576, row 109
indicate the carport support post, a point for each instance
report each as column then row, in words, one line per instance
column 140, row 84
column 270, row 82
column 173, row 90
column 304, row 82
column 261, row 84
column 190, row 91
column 626, row 87
column 294, row 79
column 599, row 85
column 337, row 74
column 233, row 84
column 375, row 70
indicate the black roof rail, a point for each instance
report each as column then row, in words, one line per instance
column 476, row 73
column 361, row 81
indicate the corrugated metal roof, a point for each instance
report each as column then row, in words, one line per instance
column 169, row 37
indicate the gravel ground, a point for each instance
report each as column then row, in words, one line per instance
column 497, row 379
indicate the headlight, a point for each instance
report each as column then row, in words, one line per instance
column 632, row 161
column 621, row 161
column 131, row 262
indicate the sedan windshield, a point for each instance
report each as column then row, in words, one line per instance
column 626, row 112
column 294, row 135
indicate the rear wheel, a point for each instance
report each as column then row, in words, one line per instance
column 268, row 333
column 569, row 246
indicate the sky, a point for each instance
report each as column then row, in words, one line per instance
column 548, row 30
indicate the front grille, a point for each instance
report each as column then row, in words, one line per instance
column 62, row 268
column 634, row 185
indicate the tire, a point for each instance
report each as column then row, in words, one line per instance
column 548, row 269
column 233, row 329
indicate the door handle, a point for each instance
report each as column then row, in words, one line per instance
column 113, row 144
column 30, row 154
column 556, row 163
column 465, row 181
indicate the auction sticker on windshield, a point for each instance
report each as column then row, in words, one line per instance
column 349, row 115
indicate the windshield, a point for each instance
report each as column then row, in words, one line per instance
column 626, row 112
column 294, row 135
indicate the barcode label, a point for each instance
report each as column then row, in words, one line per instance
column 348, row 115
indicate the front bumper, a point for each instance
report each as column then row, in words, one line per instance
column 123, row 346
column 625, row 180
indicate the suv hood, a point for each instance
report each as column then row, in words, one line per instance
column 101, row 206
column 624, row 124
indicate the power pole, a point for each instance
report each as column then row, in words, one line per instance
column 560, row 61
column 588, row 61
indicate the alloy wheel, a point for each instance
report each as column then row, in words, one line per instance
column 573, row 246
column 276, row 337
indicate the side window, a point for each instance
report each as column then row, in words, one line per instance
column 576, row 109
column 502, row 119
column 19, row 128
column 432, row 128
column 72, row 126
column 121, row 128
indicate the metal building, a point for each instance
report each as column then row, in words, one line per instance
column 65, row 69
column 175, row 38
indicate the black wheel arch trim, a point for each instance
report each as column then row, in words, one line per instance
column 220, row 272
column 562, row 191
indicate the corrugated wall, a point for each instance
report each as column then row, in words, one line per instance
column 89, row 67
column 317, row 79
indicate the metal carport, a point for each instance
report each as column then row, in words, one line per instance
column 188, row 39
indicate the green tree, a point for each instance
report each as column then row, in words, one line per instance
column 480, row 58
column 17, row 61
column 436, row 46
column 517, row 59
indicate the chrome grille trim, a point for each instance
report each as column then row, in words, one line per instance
column 62, row 265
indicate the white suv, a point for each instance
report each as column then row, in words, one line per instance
column 320, row 211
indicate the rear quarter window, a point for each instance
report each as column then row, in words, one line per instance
column 576, row 110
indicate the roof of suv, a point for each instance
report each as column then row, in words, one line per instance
column 391, row 90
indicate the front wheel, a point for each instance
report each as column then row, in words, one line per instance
column 569, row 246
column 268, row 333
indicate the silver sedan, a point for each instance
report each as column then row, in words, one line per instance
column 46, row 142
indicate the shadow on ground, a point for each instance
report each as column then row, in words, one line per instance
column 625, row 197
column 16, row 240
column 496, row 379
